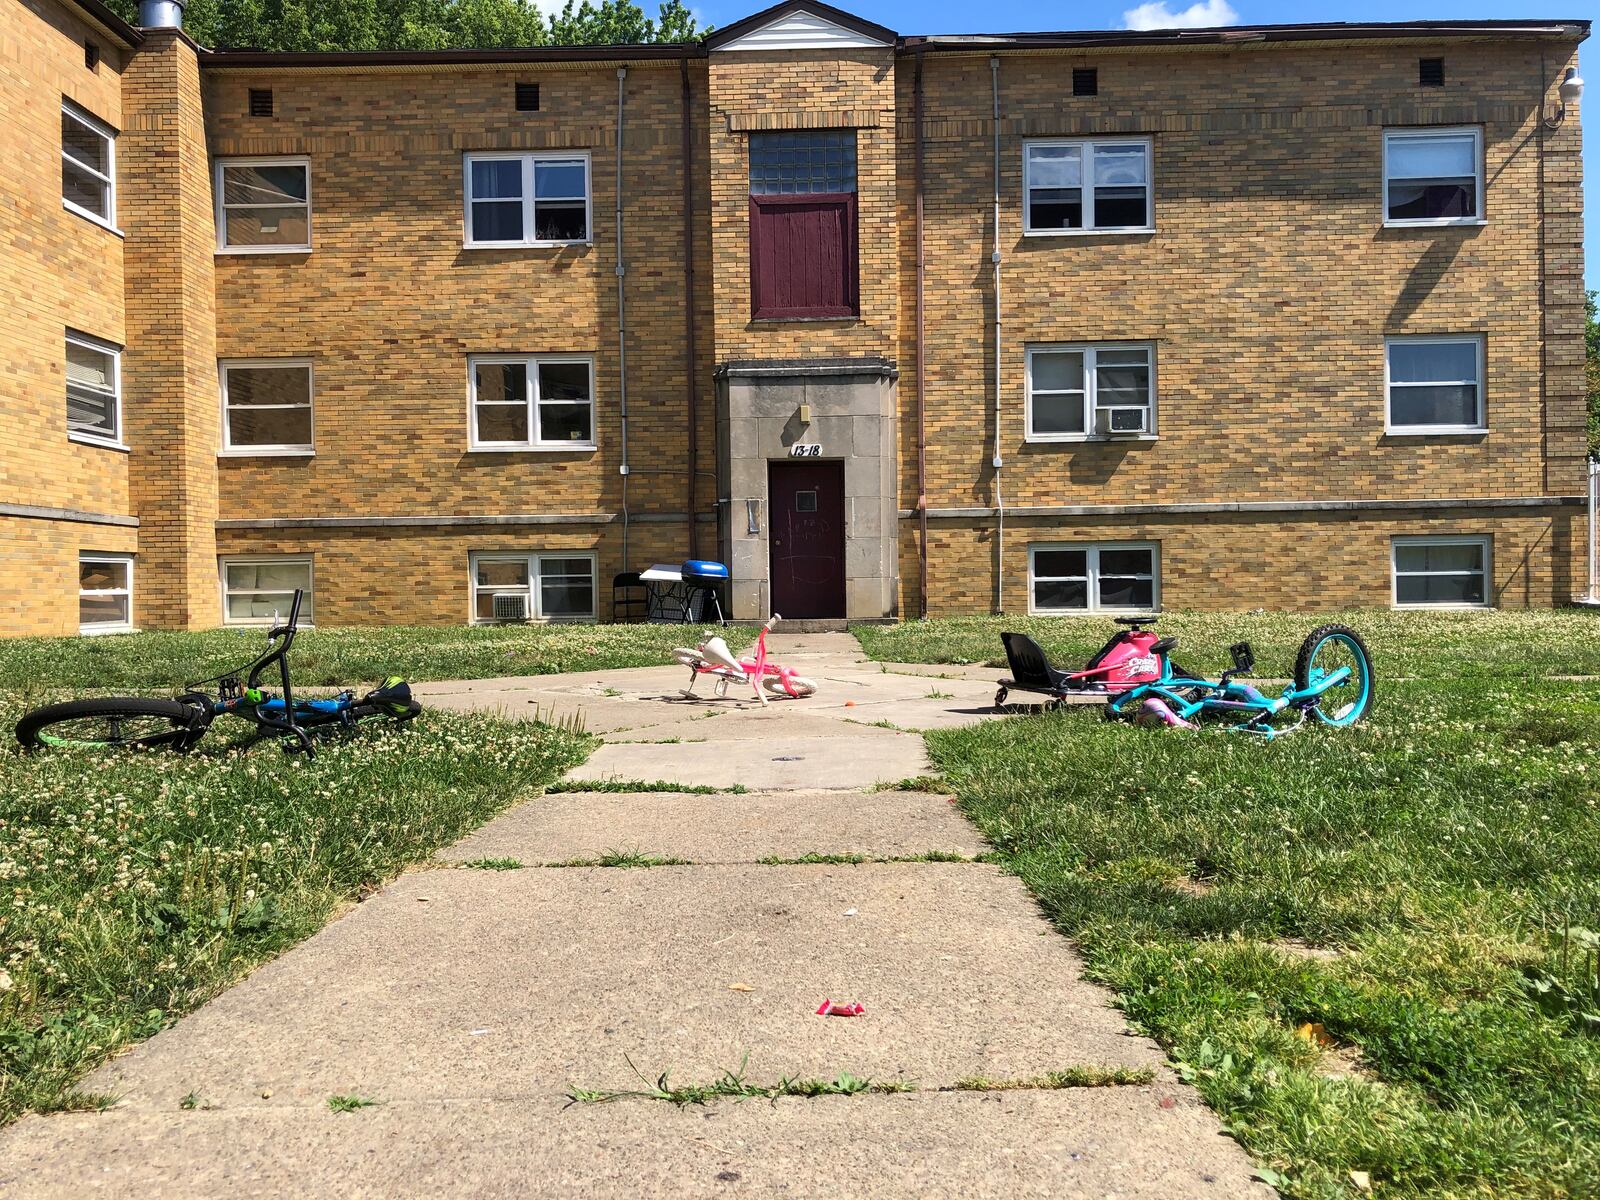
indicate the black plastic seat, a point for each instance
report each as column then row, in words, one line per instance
column 1030, row 669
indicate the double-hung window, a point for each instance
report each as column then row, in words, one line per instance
column 1435, row 384
column 532, row 587
column 1087, row 186
column 1441, row 572
column 1115, row 577
column 532, row 402
column 803, row 254
column 263, row 205
column 266, row 406
column 527, row 199
column 1433, row 176
column 256, row 591
column 88, row 166
column 105, row 593
column 94, row 391
column 1077, row 392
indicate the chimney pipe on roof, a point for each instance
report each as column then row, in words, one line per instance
column 161, row 14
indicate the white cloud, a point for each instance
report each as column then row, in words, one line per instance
column 1203, row 14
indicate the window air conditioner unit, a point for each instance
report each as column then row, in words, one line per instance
column 510, row 606
column 1119, row 422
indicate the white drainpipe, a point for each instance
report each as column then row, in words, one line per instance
column 994, row 257
column 1594, row 532
column 622, row 325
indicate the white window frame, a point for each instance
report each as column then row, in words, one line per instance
column 1092, row 551
column 219, row 208
column 534, row 445
column 246, row 560
column 100, row 346
column 1477, row 341
column 535, row 595
column 83, row 117
column 1416, row 132
column 285, row 450
column 107, row 626
column 1088, row 146
column 1089, row 350
column 1484, row 541
column 527, row 159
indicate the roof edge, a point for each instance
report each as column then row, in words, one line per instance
column 101, row 15
column 444, row 58
column 728, row 33
column 1576, row 29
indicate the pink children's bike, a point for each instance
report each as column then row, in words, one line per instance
column 712, row 657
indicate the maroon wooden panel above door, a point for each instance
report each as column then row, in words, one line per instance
column 803, row 255
column 805, row 507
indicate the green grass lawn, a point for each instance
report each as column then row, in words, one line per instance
column 135, row 886
column 338, row 656
column 1424, row 644
column 1370, row 949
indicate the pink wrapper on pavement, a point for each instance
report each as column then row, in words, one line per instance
column 839, row 1008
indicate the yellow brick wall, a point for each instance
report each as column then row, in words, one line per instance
column 1268, row 286
column 1315, row 561
column 58, row 270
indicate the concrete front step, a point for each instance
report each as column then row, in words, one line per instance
column 721, row 827
column 1130, row 1142
column 489, row 985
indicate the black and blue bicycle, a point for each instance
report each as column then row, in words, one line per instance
column 1333, row 685
column 146, row 722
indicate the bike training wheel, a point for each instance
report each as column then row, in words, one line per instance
column 121, row 722
column 1325, row 650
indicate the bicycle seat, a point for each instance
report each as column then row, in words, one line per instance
column 1136, row 622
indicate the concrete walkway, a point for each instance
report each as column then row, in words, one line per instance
column 469, row 1001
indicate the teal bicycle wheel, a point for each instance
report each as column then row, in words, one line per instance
column 1325, row 650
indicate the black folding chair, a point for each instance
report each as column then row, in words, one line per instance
column 629, row 599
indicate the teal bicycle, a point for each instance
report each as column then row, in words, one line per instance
column 1333, row 685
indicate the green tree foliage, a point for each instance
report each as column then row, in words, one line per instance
column 425, row 24
column 1591, row 344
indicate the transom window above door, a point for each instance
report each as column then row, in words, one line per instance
column 803, row 211
column 532, row 402
column 1090, row 391
column 1087, row 186
column 1081, row 578
column 527, row 199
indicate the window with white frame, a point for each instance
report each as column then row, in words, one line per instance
column 105, row 593
column 527, row 199
column 88, row 166
column 266, row 406
column 94, row 390
column 1113, row 577
column 532, row 402
column 1433, row 176
column 1084, row 186
column 258, row 591
column 532, row 587
column 1435, row 384
column 1076, row 392
column 1441, row 572
column 263, row 205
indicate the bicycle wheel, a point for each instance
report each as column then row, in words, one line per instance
column 121, row 722
column 1325, row 650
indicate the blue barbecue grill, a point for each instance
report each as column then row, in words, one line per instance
column 689, row 594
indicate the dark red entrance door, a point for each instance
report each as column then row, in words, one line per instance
column 806, row 503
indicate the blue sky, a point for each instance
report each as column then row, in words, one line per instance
column 1008, row 16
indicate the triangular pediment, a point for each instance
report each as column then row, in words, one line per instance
column 802, row 27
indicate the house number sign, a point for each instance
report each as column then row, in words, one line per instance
column 801, row 450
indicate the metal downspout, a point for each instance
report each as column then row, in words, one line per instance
column 691, row 397
column 1594, row 532
column 922, row 376
column 994, row 257
column 622, row 322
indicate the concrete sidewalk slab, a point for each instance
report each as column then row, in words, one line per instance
column 484, row 984
column 721, row 828
column 763, row 762
column 1096, row 1143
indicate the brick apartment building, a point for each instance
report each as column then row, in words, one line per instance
column 1280, row 316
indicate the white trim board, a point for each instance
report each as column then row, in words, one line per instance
column 802, row 31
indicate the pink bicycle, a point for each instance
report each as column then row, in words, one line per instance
column 712, row 657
